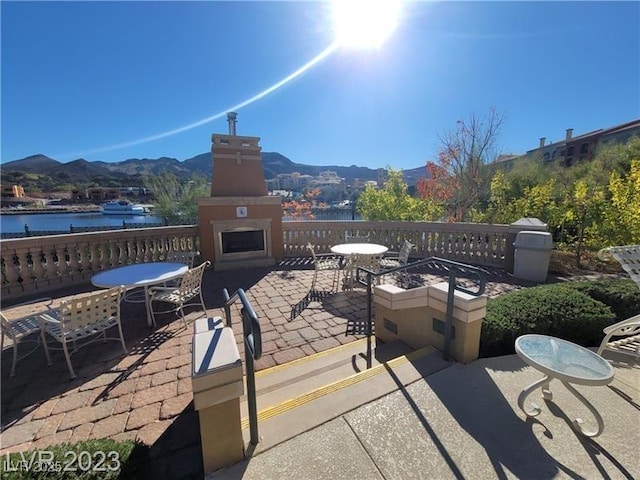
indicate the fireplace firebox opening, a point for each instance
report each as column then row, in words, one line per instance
column 243, row 241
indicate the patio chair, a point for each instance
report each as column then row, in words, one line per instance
column 348, row 238
column 189, row 288
column 325, row 262
column 629, row 330
column 629, row 343
column 18, row 329
column 83, row 316
column 359, row 260
column 181, row 257
column 397, row 259
column 628, row 256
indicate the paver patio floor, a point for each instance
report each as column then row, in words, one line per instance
column 146, row 394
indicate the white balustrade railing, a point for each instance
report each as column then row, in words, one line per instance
column 37, row 264
column 475, row 243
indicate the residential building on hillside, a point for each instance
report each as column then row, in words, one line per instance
column 101, row 194
column 581, row 148
column 11, row 191
column 289, row 181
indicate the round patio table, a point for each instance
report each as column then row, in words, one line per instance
column 567, row 362
column 356, row 250
column 140, row 275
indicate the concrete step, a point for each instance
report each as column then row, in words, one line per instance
column 300, row 395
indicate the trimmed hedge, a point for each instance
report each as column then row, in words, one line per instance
column 99, row 459
column 621, row 295
column 557, row 310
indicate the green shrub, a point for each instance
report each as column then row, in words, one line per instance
column 555, row 310
column 99, row 459
column 621, row 295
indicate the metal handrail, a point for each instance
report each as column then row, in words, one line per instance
column 452, row 268
column 252, row 351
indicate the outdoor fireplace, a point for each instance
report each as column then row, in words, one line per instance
column 240, row 225
column 242, row 241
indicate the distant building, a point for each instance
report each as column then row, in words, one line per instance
column 572, row 149
column 12, row 191
column 102, row 194
column 289, row 181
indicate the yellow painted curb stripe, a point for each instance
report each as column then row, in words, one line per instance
column 338, row 385
column 309, row 358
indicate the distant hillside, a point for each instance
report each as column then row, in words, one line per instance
column 39, row 170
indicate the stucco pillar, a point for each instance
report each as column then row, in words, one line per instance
column 217, row 386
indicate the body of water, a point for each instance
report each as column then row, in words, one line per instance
column 66, row 221
column 55, row 222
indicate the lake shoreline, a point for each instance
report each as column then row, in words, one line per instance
column 57, row 209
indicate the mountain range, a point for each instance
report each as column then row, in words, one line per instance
column 131, row 171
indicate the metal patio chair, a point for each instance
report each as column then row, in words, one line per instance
column 19, row 329
column 623, row 337
column 187, row 291
column 325, row 262
column 80, row 317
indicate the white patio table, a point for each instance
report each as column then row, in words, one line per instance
column 569, row 363
column 140, row 275
column 353, row 249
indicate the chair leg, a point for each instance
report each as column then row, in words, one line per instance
column 15, row 355
column 153, row 315
column 124, row 346
column 183, row 317
column 204, row 307
column 336, row 279
column 66, row 355
column 44, row 344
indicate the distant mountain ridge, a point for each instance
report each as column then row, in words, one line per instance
column 83, row 171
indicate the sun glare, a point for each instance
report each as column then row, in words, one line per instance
column 365, row 23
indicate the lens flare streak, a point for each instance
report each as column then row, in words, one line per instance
column 318, row 58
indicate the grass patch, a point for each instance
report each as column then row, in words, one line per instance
column 100, row 459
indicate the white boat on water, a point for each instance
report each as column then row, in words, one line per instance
column 122, row 207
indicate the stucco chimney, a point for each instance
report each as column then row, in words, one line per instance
column 569, row 133
column 542, row 140
column 231, row 118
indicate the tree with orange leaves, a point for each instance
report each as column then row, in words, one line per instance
column 460, row 177
column 301, row 209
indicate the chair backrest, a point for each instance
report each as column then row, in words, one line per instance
column 370, row 262
column 182, row 257
column 82, row 310
column 313, row 251
column 403, row 256
column 5, row 325
column 629, row 258
column 356, row 238
column 191, row 281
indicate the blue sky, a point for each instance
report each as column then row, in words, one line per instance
column 81, row 77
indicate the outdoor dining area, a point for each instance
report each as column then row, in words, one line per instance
column 205, row 316
column 139, row 387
